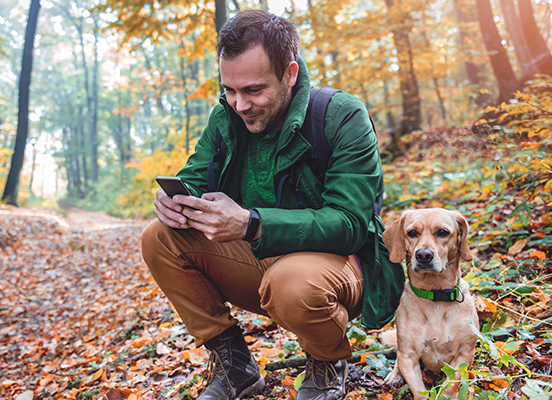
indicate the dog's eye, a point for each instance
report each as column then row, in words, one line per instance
column 412, row 233
column 443, row 233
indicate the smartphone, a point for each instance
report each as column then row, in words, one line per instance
column 173, row 185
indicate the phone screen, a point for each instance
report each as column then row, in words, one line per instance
column 173, row 185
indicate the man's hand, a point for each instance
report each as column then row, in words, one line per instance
column 219, row 217
column 168, row 211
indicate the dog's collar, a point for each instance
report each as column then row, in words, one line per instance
column 454, row 294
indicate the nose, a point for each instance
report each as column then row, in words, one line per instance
column 424, row 256
column 242, row 103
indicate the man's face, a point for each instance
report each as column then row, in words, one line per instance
column 254, row 92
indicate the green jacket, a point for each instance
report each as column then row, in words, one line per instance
column 338, row 215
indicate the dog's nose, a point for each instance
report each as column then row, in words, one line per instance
column 424, row 256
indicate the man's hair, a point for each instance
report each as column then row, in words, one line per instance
column 250, row 28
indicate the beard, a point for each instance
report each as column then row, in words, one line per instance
column 275, row 115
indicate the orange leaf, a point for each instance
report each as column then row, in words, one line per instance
column 541, row 255
column 250, row 339
column 385, row 396
column 97, row 375
column 363, row 358
column 288, row 382
column 499, row 384
column 517, row 247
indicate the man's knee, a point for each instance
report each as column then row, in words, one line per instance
column 153, row 238
column 286, row 286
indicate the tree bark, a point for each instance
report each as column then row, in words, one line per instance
column 507, row 81
column 412, row 114
column 513, row 26
column 94, row 127
column 12, row 184
column 476, row 73
column 220, row 14
column 539, row 50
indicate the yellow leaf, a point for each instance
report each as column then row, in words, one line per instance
column 165, row 325
column 517, row 247
column 97, row 375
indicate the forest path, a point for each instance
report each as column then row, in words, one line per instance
column 83, row 220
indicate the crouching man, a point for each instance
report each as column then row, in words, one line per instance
column 263, row 232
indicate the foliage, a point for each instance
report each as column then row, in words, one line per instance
column 137, row 200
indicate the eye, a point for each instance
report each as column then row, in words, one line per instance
column 412, row 234
column 253, row 91
column 442, row 233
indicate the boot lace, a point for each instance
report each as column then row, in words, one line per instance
column 323, row 371
column 216, row 368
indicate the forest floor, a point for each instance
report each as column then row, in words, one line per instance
column 81, row 318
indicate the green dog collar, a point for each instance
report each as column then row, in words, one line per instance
column 440, row 295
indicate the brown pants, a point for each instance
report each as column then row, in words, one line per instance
column 313, row 295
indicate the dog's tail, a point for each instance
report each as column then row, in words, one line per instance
column 389, row 338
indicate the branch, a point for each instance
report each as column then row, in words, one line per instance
column 301, row 361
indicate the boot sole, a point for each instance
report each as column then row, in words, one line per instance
column 257, row 386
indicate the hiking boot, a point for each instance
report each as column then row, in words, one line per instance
column 324, row 380
column 233, row 370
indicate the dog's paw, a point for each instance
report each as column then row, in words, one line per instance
column 394, row 378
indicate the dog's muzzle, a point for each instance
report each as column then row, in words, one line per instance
column 424, row 259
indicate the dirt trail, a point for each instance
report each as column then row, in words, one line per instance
column 82, row 220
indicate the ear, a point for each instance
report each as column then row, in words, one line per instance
column 394, row 240
column 463, row 230
column 293, row 72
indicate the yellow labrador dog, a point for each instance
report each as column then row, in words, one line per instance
column 433, row 318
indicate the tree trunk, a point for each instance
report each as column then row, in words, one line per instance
column 476, row 73
column 12, row 183
column 507, row 81
column 539, row 50
column 80, row 141
column 513, row 26
column 220, row 14
column 412, row 115
column 92, row 145
column 94, row 127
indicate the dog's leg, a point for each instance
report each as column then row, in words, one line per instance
column 453, row 390
column 394, row 378
column 412, row 374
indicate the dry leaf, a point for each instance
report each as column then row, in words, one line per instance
column 517, row 247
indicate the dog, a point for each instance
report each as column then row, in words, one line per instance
column 435, row 310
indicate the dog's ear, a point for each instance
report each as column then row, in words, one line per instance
column 394, row 240
column 463, row 230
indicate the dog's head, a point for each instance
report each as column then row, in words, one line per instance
column 429, row 239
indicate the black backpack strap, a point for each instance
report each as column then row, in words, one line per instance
column 313, row 130
column 219, row 156
column 318, row 156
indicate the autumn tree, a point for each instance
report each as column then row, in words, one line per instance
column 540, row 53
column 515, row 30
column 401, row 24
column 12, row 183
column 507, row 81
column 468, row 37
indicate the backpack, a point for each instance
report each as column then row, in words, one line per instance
column 317, row 157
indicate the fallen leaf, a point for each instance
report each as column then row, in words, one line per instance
column 26, row 395
column 499, row 384
column 541, row 255
column 517, row 247
column 162, row 349
column 115, row 394
column 288, row 382
column 97, row 375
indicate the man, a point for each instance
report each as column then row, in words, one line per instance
column 300, row 265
